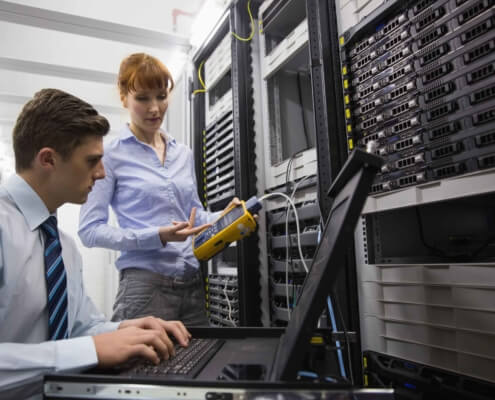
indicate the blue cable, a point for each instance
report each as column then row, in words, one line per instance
column 337, row 342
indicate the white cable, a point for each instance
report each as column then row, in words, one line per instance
column 228, row 302
column 287, row 297
column 297, row 222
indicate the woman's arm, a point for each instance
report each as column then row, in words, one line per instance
column 94, row 229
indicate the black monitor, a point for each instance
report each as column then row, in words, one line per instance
column 348, row 192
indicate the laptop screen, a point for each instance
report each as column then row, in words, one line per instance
column 349, row 192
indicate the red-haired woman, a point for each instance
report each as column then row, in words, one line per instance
column 150, row 184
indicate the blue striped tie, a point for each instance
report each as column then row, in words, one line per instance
column 56, row 281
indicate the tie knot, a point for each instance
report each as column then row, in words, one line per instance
column 50, row 227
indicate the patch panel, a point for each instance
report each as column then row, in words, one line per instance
column 445, row 151
column 486, row 161
column 412, row 179
column 405, row 125
column 486, row 71
column 477, row 31
column 399, row 73
column 434, row 54
column 429, row 18
column 363, row 93
column 396, row 57
column 392, row 25
column 444, row 130
column 371, row 122
column 404, row 162
column 407, row 143
column 484, row 117
column 437, row 72
column 479, row 51
column 365, row 76
column 439, row 91
column 400, row 144
column 368, row 138
column 431, row 36
column 401, row 90
column 422, row 5
column 397, row 39
column 362, row 46
column 485, row 139
column 441, row 111
column 364, row 61
column 404, row 107
column 382, row 187
column 474, row 10
column 366, row 108
column 482, row 95
column 448, row 170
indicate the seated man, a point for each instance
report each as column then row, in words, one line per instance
column 47, row 323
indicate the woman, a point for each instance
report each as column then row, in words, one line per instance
column 150, row 184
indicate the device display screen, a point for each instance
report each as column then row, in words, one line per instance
column 219, row 225
column 228, row 218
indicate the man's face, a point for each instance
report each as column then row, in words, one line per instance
column 77, row 175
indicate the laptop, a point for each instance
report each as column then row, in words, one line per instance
column 257, row 354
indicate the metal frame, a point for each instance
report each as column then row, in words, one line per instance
column 331, row 145
column 244, row 164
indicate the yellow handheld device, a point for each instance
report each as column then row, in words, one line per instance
column 234, row 224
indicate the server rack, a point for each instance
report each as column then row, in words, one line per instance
column 289, row 143
column 223, row 141
column 417, row 80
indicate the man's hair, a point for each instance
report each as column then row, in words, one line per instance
column 55, row 119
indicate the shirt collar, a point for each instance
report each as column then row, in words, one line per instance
column 28, row 201
column 127, row 134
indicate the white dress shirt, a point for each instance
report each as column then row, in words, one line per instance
column 25, row 352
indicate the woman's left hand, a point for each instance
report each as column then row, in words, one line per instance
column 180, row 231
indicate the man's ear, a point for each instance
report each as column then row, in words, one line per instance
column 46, row 157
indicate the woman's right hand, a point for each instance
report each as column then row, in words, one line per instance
column 180, row 231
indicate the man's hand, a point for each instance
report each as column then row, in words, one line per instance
column 176, row 328
column 113, row 348
column 142, row 337
column 180, row 231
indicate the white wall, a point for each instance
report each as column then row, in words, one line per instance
column 77, row 46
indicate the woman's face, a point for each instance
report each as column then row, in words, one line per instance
column 147, row 108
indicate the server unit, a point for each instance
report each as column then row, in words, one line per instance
column 418, row 89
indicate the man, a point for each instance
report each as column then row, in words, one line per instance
column 47, row 323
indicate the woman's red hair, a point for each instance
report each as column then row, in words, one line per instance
column 143, row 71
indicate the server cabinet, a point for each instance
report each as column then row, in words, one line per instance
column 224, row 144
column 417, row 80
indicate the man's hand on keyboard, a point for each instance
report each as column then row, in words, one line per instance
column 117, row 347
column 176, row 328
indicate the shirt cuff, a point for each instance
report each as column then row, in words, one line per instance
column 149, row 239
column 75, row 354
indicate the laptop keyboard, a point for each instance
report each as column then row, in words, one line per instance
column 187, row 361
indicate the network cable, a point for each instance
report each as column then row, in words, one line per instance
column 251, row 35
